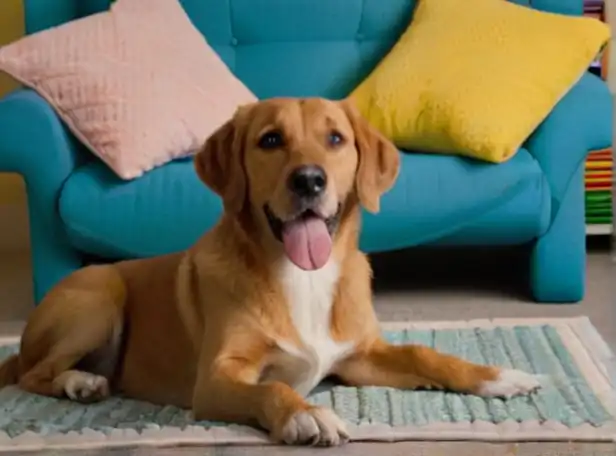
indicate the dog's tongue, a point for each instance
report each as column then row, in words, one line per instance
column 307, row 243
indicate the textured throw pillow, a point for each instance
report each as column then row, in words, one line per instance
column 138, row 85
column 476, row 77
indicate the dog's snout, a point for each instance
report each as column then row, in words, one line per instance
column 308, row 181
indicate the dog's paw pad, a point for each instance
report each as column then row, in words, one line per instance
column 317, row 426
column 510, row 382
column 86, row 387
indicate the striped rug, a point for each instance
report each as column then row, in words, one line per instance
column 575, row 404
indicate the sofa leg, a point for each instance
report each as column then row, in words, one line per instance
column 558, row 259
column 53, row 258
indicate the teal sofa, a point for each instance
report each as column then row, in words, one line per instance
column 80, row 211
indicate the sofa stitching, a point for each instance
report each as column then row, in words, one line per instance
column 233, row 38
column 362, row 12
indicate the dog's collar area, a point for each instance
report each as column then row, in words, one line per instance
column 277, row 225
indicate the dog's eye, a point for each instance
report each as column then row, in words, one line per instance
column 335, row 138
column 271, row 140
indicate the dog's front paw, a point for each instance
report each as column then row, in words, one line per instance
column 510, row 382
column 315, row 426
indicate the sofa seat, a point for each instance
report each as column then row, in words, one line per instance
column 444, row 197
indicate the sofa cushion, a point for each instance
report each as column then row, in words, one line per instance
column 457, row 201
column 169, row 208
column 44, row 14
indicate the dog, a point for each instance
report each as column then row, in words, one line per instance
column 273, row 299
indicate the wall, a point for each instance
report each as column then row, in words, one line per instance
column 12, row 190
column 11, row 28
column 610, row 16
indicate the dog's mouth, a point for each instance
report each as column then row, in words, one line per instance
column 306, row 238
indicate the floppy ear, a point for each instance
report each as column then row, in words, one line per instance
column 379, row 160
column 219, row 165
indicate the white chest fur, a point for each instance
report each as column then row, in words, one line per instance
column 310, row 296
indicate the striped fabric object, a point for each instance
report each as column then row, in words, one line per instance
column 566, row 398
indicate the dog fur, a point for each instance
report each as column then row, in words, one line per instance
column 231, row 328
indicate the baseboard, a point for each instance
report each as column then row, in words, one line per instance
column 604, row 229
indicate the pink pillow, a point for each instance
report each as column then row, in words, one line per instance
column 138, row 85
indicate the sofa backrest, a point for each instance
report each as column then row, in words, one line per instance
column 287, row 47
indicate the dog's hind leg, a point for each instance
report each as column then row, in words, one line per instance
column 77, row 326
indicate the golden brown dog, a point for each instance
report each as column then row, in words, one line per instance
column 266, row 304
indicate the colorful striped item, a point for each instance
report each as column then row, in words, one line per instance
column 598, row 183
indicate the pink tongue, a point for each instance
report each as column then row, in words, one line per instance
column 307, row 243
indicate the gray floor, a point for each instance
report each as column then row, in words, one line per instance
column 418, row 285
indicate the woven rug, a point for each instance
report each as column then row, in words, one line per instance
column 577, row 402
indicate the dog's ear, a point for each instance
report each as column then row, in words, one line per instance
column 379, row 160
column 219, row 164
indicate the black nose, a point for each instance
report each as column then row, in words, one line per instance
column 308, row 181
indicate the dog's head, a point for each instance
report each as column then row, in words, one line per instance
column 294, row 165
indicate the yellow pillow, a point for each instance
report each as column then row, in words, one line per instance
column 476, row 77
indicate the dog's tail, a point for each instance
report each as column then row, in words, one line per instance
column 9, row 371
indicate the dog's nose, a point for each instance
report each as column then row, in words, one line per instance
column 308, row 181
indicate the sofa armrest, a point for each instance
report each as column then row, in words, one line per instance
column 580, row 122
column 35, row 144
